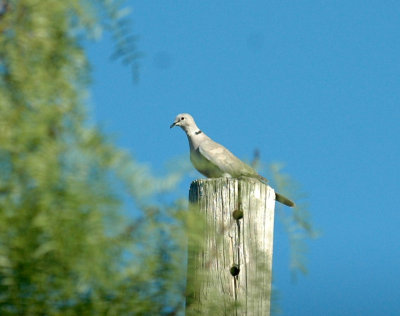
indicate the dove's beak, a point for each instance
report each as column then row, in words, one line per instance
column 173, row 124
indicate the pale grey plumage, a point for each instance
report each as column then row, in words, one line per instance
column 214, row 160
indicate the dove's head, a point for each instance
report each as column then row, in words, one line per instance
column 185, row 121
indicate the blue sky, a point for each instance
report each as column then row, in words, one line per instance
column 313, row 84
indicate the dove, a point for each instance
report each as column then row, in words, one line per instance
column 213, row 160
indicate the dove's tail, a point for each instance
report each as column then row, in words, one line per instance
column 279, row 197
column 284, row 200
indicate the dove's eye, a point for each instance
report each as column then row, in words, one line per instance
column 182, row 118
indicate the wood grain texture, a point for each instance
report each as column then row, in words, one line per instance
column 232, row 246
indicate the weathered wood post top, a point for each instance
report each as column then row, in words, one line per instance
column 231, row 273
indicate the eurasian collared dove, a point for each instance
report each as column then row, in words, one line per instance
column 214, row 160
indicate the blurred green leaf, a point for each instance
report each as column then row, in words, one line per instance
column 67, row 244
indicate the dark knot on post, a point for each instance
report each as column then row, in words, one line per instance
column 235, row 270
column 237, row 214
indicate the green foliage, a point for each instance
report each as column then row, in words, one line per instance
column 296, row 221
column 66, row 245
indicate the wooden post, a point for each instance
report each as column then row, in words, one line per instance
column 231, row 273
